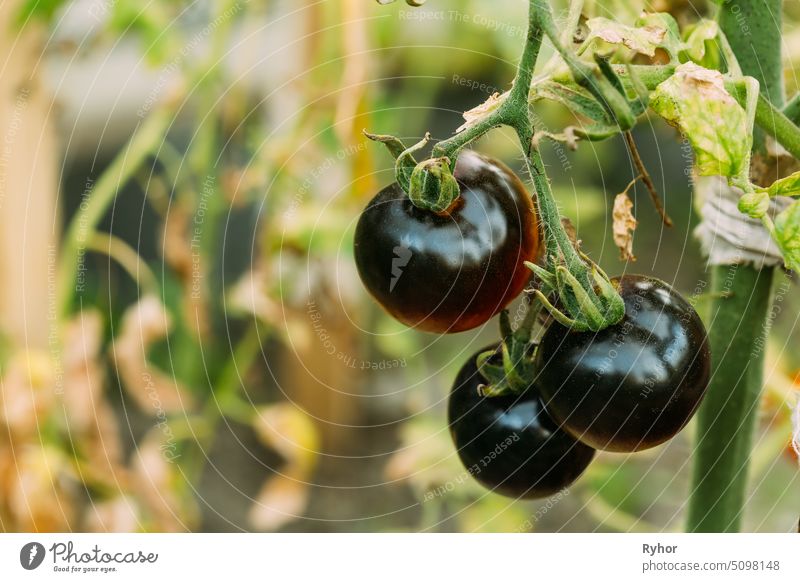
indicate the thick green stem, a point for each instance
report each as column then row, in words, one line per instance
column 776, row 124
column 726, row 418
column 738, row 314
column 753, row 29
column 555, row 236
column 792, row 109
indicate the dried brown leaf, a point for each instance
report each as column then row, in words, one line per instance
column 118, row 515
column 292, row 433
column 480, row 112
column 154, row 391
column 83, row 372
column 160, row 486
column 624, row 226
column 40, row 490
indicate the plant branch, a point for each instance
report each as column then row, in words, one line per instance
column 645, row 176
column 792, row 109
column 143, row 142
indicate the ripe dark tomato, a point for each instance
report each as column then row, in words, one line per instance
column 633, row 385
column 454, row 271
column 509, row 443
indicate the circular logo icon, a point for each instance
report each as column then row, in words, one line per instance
column 31, row 555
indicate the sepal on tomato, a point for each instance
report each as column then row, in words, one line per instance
column 517, row 372
column 579, row 308
column 433, row 186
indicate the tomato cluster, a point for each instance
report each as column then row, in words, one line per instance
column 629, row 387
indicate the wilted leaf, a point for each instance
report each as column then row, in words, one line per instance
column 27, row 392
column 176, row 247
column 787, row 235
column 788, row 186
column 282, row 499
column 695, row 101
column 39, row 490
column 291, row 432
column 154, row 391
column 249, row 296
column 644, row 40
column 83, row 373
column 159, row 485
column 624, row 226
column 663, row 20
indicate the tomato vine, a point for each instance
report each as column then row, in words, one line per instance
column 726, row 111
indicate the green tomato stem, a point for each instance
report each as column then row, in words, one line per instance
column 726, row 419
column 776, row 124
column 792, row 109
column 590, row 309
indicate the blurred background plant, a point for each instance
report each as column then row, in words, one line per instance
column 185, row 343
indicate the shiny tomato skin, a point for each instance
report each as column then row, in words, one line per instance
column 633, row 385
column 451, row 272
column 508, row 443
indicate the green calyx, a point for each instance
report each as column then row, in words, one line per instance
column 515, row 372
column 433, row 186
column 430, row 184
column 581, row 307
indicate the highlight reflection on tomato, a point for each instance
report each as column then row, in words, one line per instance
column 453, row 271
column 633, row 385
column 509, row 443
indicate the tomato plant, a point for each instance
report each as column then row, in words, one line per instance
column 623, row 364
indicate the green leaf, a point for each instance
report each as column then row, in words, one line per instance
column 644, row 40
column 41, row 9
column 695, row 101
column 149, row 25
column 695, row 45
column 575, row 98
column 788, row 186
column 787, row 235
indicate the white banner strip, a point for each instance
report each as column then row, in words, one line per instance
column 400, row 557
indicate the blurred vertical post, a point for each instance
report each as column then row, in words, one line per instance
column 324, row 383
column 28, row 183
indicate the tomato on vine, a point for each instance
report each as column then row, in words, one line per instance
column 452, row 270
column 509, row 443
column 635, row 384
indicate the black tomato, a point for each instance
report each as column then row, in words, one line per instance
column 633, row 385
column 453, row 271
column 509, row 443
